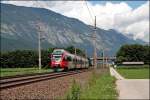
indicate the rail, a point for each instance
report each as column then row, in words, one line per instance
column 26, row 79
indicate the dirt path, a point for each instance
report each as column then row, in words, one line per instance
column 131, row 88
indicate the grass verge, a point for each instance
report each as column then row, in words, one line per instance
column 99, row 87
column 134, row 73
column 21, row 71
column 133, row 66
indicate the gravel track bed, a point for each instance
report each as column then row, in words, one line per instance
column 49, row 89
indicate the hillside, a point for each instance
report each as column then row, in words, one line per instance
column 19, row 31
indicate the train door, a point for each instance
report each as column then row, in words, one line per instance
column 70, row 62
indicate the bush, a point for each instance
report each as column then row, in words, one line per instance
column 23, row 58
column 134, row 52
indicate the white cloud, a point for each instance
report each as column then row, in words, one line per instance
column 109, row 16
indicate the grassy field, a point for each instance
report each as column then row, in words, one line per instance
column 21, row 71
column 134, row 73
column 99, row 87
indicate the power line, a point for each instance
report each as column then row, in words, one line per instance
column 94, row 36
column 92, row 11
column 89, row 11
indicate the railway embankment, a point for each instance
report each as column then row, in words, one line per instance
column 92, row 84
column 47, row 89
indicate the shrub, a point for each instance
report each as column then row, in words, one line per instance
column 23, row 58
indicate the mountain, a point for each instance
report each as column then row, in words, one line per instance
column 20, row 27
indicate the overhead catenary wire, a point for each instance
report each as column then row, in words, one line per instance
column 90, row 11
column 94, row 35
column 95, row 28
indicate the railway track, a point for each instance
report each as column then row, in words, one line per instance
column 27, row 79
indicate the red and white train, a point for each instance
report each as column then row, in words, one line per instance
column 62, row 59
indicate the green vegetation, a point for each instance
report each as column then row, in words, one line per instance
column 99, row 87
column 134, row 73
column 23, row 58
column 21, row 71
column 71, row 49
column 74, row 94
column 26, row 58
column 134, row 52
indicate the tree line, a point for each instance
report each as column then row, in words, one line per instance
column 134, row 52
column 29, row 58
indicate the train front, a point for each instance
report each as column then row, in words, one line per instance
column 57, row 59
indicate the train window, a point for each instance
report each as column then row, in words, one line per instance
column 68, row 58
column 57, row 52
column 80, row 61
column 58, row 57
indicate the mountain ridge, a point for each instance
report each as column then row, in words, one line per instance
column 19, row 23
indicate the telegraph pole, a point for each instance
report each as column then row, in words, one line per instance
column 39, row 35
column 103, row 58
column 85, row 56
column 94, row 43
column 75, row 51
column 106, row 61
column 85, row 53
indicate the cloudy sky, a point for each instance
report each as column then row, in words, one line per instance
column 128, row 17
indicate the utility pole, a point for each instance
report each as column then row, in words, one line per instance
column 75, row 51
column 94, row 44
column 85, row 53
column 39, row 35
column 85, row 56
column 103, row 58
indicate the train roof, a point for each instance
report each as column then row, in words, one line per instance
column 60, row 51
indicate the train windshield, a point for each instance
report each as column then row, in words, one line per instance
column 57, row 52
column 56, row 57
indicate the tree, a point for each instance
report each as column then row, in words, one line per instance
column 23, row 58
column 71, row 49
column 134, row 52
